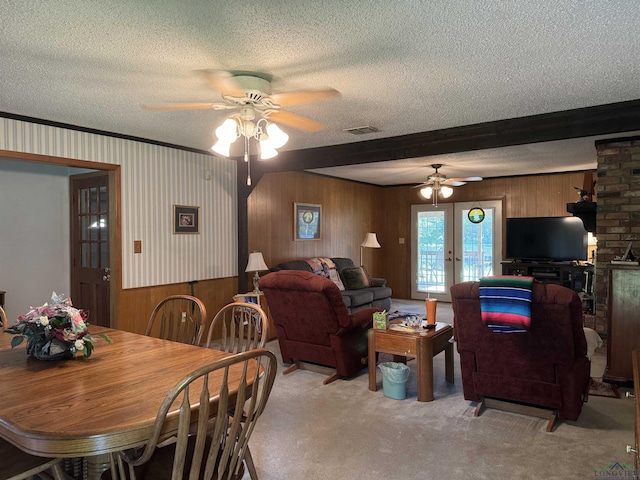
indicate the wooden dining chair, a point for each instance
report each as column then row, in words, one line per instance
column 179, row 318
column 3, row 319
column 243, row 327
column 236, row 385
column 18, row 465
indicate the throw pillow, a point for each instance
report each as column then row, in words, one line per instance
column 365, row 272
column 355, row 278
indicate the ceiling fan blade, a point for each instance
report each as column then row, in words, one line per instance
column 465, row 179
column 179, row 106
column 295, row 121
column 453, row 183
column 425, row 184
column 223, row 82
column 303, row 96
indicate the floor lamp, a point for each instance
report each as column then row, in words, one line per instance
column 370, row 241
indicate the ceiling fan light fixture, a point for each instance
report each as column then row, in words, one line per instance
column 228, row 131
column 266, row 150
column 277, row 137
column 249, row 94
column 248, row 129
column 222, row 148
column 426, row 192
column 445, row 191
column 248, row 113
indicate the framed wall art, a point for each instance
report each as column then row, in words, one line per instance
column 186, row 219
column 307, row 220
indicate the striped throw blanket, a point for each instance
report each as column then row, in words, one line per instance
column 505, row 303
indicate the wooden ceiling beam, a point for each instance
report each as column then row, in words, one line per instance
column 582, row 122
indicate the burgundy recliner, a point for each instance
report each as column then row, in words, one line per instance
column 547, row 366
column 313, row 324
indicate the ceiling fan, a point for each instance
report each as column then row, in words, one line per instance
column 255, row 111
column 439, row 184
column 250, row 93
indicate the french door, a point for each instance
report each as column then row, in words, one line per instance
column 447, row 247
column 90, row 273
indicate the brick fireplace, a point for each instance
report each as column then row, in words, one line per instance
column 618, row 212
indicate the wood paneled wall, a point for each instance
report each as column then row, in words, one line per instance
column 136, row 304
column 350, row 210
column 526, row 196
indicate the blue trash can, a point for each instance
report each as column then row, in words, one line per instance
column 394, row 380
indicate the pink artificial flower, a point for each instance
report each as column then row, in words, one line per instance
column 77, row 322
column 48, row 310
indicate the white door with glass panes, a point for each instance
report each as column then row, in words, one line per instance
column 447, row 247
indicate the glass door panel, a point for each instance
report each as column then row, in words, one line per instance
column 478, row 246
column 431, row 251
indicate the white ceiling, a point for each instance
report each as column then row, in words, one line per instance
column 403, row 66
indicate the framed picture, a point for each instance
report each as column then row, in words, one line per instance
column 307, row 219
column 185, row 219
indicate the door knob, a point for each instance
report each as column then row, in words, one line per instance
column 106, row 278
column 630, row 449
column 630, row 395
column 449, row 259
column 457, row 259
column 107, row 270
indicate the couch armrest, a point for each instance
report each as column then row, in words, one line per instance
column 378, row 282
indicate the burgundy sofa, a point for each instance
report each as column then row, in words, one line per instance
column 547, row 366
column 313, row 324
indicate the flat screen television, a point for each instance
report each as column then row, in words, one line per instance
column 546, row 239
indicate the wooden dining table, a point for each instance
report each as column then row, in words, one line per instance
column 85, row 407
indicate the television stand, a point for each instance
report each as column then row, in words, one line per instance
column 568, row 274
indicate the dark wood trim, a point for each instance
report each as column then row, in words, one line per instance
column 582, row 122
column 244, row 191
column 67, row 162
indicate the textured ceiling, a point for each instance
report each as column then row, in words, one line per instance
column 401, row 66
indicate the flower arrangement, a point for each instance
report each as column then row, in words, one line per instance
column 53, row 331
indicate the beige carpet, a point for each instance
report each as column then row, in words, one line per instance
column 344, row 431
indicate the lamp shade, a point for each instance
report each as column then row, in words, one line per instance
column 445, row 191
column 266, row 150
column 426, row 192
column 228, row 131
column 222, row 148
column 256, row 263
column 370, row 241
column 276, row 135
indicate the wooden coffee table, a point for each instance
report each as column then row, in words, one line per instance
column 423, row 345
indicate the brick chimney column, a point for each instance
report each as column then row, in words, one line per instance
column 618, row 211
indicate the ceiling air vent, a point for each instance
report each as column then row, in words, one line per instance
column 361, row 130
